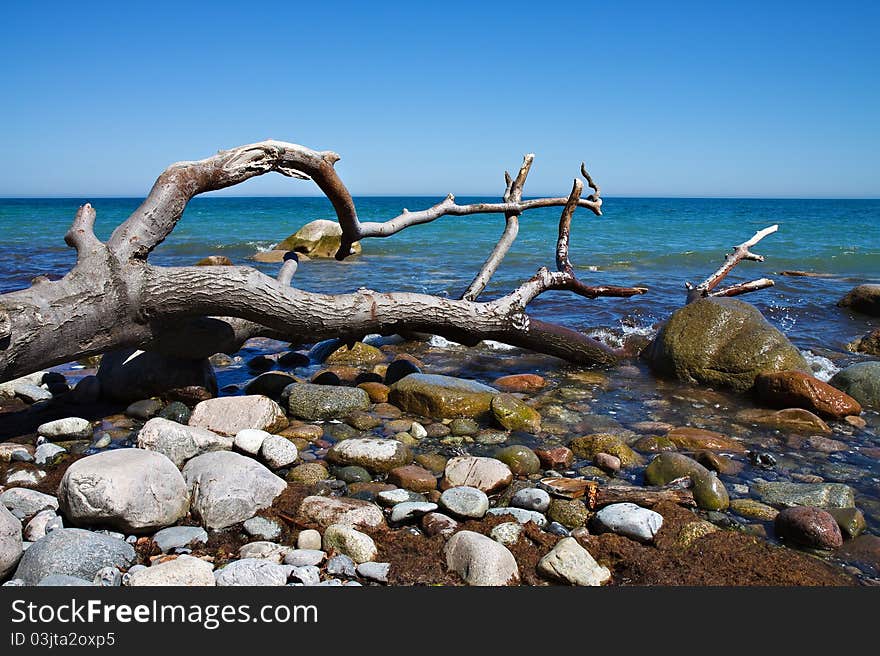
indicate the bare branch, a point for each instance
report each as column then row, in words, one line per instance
column 81, row 235
column 157, row 216
column 513, row 193
column 738, row 254
column 288, row 269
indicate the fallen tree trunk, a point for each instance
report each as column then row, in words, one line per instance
column 113, row 298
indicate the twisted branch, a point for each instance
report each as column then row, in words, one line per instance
column 739, row 253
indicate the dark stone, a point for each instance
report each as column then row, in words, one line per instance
column 293, row 360
column 808, row 527
column 326, row 378
column 399, row 369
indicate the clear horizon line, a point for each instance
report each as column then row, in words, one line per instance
column 425, row 195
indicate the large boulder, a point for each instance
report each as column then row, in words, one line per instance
column 794, row 389
column 132, row 490
column 131, row 375
column 864, row 299
column 228, row 488
column 432, row 395
column 314, row 402
column 319, row 238
column 179, row 443
column 375, row 454
column 10, row 540
column 73, row 552
column 721, row 342
column 230, row 414
column 862, row 382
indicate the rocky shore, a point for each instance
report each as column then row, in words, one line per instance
column 398, row 463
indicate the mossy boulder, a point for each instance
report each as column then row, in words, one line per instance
column 722, row 342
column 589, row 445
column 320, row 238
column 359, row 354
column 864, row 299
column 513, row 414
column 432, row 395
column 862, row 382
column 709, row 492
column 571, row 513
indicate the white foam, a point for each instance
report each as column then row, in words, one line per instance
column 823, row 368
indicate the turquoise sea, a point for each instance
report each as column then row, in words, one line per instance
column 658, row 243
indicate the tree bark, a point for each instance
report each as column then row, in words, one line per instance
column 113, row 298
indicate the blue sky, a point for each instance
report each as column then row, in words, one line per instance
column 661, row 99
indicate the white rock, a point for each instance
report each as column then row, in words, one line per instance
column 230, row 414
column 128, row 489
column 325, row 511
column 41, row 523
column 570, row 562
column 521, row 515
column 265, row 550
column 46, row 451
column 24, row 503
column 377, row 455
column 253, row 571
column 228, row 488
column 465, row 501
column 531, row 498
column 74, row 552
column 374, row 571
column 303, row 557
column 182, row 571
column 411, row 510
column 486, row 474
column 351, row 542
column 418, row 431
column 179, row 443
column 480, row 560
column 630, row 520
column 306, row 574
column 70, row 428
column 7, row 389
column 507, row 533
column 175, row 537
column 308, row 539
column 278, row 452
column 10, row 541
column 24, row 476
column 262, row 528
column 107, row 577
column 250, row 440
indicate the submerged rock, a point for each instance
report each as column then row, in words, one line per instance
column 521, row 459
column 869, row 344
column 132, row 490
column 512, row 414
column 819, row 495
column 588, row 446
column 796, row 420
column 432, row 395
column 721, row 341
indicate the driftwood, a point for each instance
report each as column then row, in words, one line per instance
column 114, row 298
column 739, row 253
column 596, row 495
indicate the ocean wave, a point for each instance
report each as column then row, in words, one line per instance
column 823, row 368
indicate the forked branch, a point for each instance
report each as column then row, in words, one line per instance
column 739, row 253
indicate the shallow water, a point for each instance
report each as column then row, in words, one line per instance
column 656, row 243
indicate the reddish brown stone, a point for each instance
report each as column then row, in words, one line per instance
column 438, row 523
column 558, row 457
column 687, row 437
column 413, row 477
column 793, row 389
column 809, row 527
column 520, row 383
column 377, row 392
